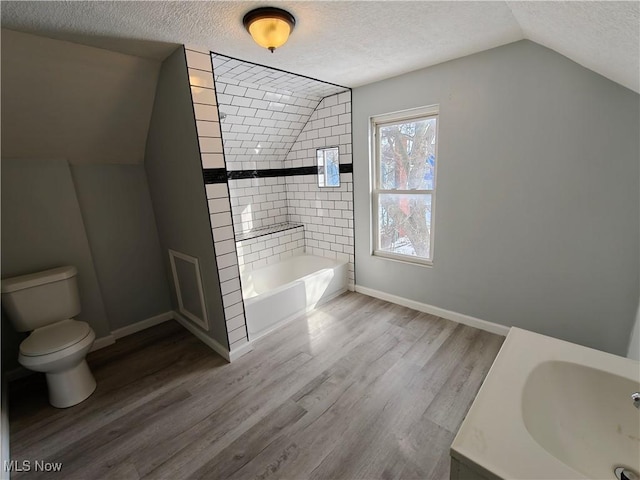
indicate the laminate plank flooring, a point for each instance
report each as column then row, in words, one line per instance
column 357, row 389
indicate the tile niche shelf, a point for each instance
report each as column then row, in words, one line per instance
column 259, row 232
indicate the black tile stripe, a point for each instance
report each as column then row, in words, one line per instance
column 214, row 175
column 346, row 168
column 220, row 175
column 271, row 172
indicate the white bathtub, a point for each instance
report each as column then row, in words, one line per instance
column 278, row 293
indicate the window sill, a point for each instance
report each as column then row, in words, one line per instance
column 402, row 259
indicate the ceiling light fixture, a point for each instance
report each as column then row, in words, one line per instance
column 269, row 26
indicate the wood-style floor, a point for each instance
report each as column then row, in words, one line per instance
column 360, row 388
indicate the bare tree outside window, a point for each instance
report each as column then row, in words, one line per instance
column 328, row 167
column 404, row 184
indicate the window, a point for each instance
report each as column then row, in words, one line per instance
column 404, row 152
column 328, row 167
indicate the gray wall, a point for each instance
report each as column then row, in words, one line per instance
column 64, row 100
column 120, row 224
column 634, row 342
column 174, row 172
column 96, row 217
column 62, row 103
column 537, row 217
column 633, row 351
column 42, row 228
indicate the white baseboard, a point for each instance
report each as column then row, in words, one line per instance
column 130, row 330
column 142, row 325
column 103, row 342
column 210, row 342
column 437, row 311
column 240, row 351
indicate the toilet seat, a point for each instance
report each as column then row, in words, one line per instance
column 54, row 338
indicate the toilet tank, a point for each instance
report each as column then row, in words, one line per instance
column 38, row 299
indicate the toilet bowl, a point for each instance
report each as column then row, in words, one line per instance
column 59, row 351
column 44, row 303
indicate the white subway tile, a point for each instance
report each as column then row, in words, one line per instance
column 236, row 335
column 228, row 273
column 198, row 48
column 220, row 219
column 250, row 258
column 217, row 190
column 203, row 95
column 206, row 112
column 233, row 311
column 212, row 160
column 235, row 90
column 237, row 344
column 229, row 286
column 198, row 60
column 344, row 119
column 226, row 260
column 232, row 298
column 235, row 322
column 208, row 128
column 210, row 145
column 198, row 78
column 218, row 205
column 344, row 97
column 225, row 246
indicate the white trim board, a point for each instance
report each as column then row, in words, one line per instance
column 142, row 325
column 110, row 339
column 210, row 342
column 102, row 342
column 186, row 314
column 437, row 311
column 240, row 351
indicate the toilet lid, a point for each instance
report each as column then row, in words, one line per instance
column 53, row 338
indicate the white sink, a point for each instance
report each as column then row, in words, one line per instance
column 583, row 416
column 550, row 409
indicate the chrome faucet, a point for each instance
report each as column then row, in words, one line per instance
column 636, row 399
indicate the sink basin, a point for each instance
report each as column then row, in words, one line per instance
column 550, row 409
column 583, row 416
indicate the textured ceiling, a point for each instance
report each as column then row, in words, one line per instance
column 263, row 110
column 351, row 43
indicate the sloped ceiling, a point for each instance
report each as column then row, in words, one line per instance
column 602, row 36
column 263, row 110
column 61, row 100
column 351, row 43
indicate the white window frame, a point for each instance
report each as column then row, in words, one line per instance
column 323, row 175
column 374, row 154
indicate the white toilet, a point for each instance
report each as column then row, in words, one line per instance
column 44, row 303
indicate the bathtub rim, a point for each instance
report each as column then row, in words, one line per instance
column 280, row 288
column 291, row 318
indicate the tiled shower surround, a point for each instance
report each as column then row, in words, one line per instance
column 211, row 155
column 273, row 246
column 272, row 123
column 326, row 213
column 258, row 131
column 258, row 203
